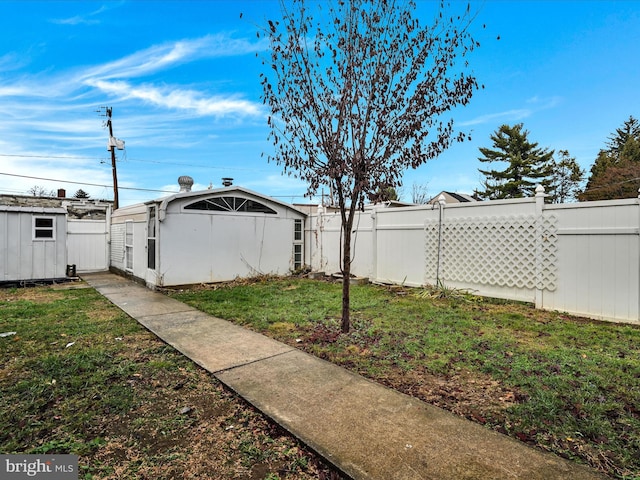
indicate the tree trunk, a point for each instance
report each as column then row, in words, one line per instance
column 346, row 278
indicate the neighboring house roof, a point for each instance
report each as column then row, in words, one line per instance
column 388, row 204
column 33, row 209
column 74, row 207
column 453, row 197
column 312, row 208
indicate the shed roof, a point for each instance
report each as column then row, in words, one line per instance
column 233, row 188
column 164, row 201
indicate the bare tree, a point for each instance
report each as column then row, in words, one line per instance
column 419, row 193
column 39, row 191
column 359, row 91
column 566, row 178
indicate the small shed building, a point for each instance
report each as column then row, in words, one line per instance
column 207, row 236
column 47, row 238
column 33, row 243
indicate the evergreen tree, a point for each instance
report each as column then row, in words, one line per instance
column 630, row 129
column 616, row 171
column 81, row 194
column 527, row 166
column 566, row 178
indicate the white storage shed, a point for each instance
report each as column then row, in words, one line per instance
column 33, row 243
column 207, row 236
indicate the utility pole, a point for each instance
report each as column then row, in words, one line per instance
column 112, row 144
column 113, row 161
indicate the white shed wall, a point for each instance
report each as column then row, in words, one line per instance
column 22, row 257
column 209, row 247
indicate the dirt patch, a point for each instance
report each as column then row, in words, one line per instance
column 205, row 432
column 468, row 394
column 35, row 295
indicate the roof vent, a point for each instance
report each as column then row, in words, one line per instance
column 227, row 182
column 185, row 182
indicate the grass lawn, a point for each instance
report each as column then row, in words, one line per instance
column 81, row 377
column 562, row 384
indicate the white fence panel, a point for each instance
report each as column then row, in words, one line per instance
column 581, row 258
column 325, row 248
column 598, row 260
column 87, row 245
column 399, row 255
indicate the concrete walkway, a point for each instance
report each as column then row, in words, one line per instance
column 364, row 429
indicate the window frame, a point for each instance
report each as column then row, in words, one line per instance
column 35, row 228
column 229, row 204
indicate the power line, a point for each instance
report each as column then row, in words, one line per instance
column 85, row 183
column 48, row 156
column 135, row 160
column 194, row 166
column 123, row 188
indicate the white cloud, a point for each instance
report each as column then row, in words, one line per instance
column 536, row 103
column 161, row 57
column 509, row 115
column 12, row 61
column 86, row 19
column 176, row 98
column 53, row 114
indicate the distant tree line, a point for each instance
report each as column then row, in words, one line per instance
column 39, row 191
column 615, row 173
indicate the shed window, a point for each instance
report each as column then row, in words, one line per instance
column 297, row 230
column 44, row 228
column 230, row 204
column 297, row 257
column 298, row 252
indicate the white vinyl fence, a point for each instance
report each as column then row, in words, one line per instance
column 580, row 258
column 87, row 244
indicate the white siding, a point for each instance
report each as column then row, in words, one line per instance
column 23, row 258
column 216, row 247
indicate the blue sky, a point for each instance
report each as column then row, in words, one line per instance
column 182, row 79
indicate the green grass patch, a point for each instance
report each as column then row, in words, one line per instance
column 81, row 377
column 564, row 384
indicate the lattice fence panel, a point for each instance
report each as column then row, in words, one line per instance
column 508, row 251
